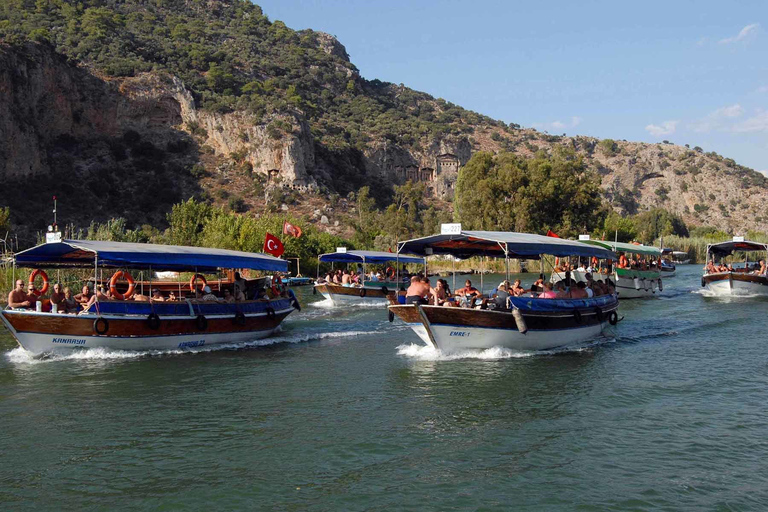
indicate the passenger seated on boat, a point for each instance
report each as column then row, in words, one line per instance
column 560, row 291
column 57, row 297
column 172, row 296
column 417, row 292
column 239, row 296
column 538, row 285
column 761, row 269
column 18, row 298
column 346, row 279
column 517, row 290
column 239, row 284
column 208, row 295
column 228, row 297
column 468, row 291
column 503, row 291
column 85, row 296
column 157, row 296
column 548, row 292
column 579, row 291
column 138, row 297
column 69, row 304
column 440, row 294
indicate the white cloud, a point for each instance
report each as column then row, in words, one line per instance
column 558, row 124
column 743, row 34
column 666, row 128
column 762, row 89
column 714, row 119
column 756, row 123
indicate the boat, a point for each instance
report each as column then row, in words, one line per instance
column 370, row 292
column 744, row 279
column 680, row 258
column 298, row 281
column 667, row 266
column 133, row 325
column 631, row 283
column 523, row 323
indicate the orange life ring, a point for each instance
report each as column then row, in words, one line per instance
column 390, row 272
column 195, row 278
column 594, row 261
column 120, row 274
column 623, row 261
column 41, row 273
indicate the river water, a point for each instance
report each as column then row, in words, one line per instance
column 344, row 411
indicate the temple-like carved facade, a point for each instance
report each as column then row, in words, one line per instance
column 443, row 163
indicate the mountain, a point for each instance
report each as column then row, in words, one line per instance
column 125, row 107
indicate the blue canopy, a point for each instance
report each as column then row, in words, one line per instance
column 369, row 257
column 80, row 253
column 500, row 244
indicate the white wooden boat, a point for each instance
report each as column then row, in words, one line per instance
column 680, row 258
column 133, row 325
column 523, row 323
column 743, row 280
column 634, row 283
column 371, row 292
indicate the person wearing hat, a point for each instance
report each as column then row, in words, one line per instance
column 207, row 295
column 157, row 296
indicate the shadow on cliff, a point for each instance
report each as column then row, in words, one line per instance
column 101, row 151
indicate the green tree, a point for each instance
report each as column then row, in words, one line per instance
column 187, row 221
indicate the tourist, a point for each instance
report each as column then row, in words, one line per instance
column 538, row 285
column 18, row 299
column 69, row 305
column 503, row 291
column 57, row 297
column 440, row 294
column 158, row 297
column 548, row 292
column 417, row 292
column 228, row 297
column 85, row 296
column 208, row 295
column 561, row 291
column 346, row 279
column 590, row 285
column 517, row 289
column 579, row 291
column 172, row 296
column 239, row 284
column 239, row 296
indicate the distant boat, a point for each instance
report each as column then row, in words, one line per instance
column 298, row 281
column 667, row 266
column 143, row 325
column 680, row 258
column 369, row 292
column 742, row 280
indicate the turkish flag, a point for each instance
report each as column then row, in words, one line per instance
column 552, row 234
column 290, row 229
column 273, row 245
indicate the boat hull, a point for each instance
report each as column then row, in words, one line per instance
column 41, row 333
column 456, row 329
column 735, row 284
column 344, row 296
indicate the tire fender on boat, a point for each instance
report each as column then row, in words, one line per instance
column 577, row 316
column 599, row 314
column 391, row 316
column 613, row 318
column 153, row 321
column 363, row 291
column 385, row 290
column 101, row 325
column 637, row 283
column 520, row 321
column 270, row 313
column 703, row 283
column 239, row 318
column 661, row 286
column 314, row 290
column 201, row 322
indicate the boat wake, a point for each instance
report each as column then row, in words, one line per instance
column 427, row 353
column 328, row 304
column 735, row 294
column 21, row 356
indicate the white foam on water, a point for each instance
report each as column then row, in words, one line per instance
column 21, row 356
column 328, row 304
column 736, row 294
column 427, row 353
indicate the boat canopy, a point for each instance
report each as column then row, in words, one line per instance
column 501, row 244
column 679, row 253
column 624, row 247
column 80, row 253
column 726, row 248
column 369, row 257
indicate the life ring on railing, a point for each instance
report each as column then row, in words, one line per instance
column 103, row 322
column 613, row 318
column 390, row 272
column 623, row 263
column 120, row 274
column 195, row 277
column 153, row 321
column 41, row 273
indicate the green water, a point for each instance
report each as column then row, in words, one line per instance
column 346, row 411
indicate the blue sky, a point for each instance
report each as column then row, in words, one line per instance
column 689, row 72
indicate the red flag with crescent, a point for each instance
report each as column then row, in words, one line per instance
column 290, row 229
column 273, row 245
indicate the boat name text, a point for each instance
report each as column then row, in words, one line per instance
column 190, row 344
column 69, row 341
column 460, row 333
